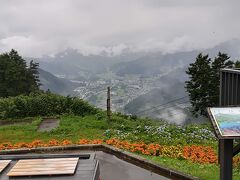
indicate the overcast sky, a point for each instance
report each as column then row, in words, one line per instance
column 45, row 27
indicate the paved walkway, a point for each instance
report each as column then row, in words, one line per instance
column 112, row 168
column 48, row 124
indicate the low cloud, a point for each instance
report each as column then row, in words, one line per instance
column 37, row 28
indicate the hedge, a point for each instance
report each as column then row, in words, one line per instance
column 44, row 104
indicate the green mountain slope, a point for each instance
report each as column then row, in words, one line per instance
column 55, row 84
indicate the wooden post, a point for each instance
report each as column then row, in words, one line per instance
column 108, row 104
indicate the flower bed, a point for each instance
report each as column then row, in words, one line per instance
column 194, row 153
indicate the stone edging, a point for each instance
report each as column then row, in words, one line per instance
column 121, row 154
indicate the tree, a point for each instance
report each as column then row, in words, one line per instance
column 237, row 64
column 204, row 81
column 15, row 77
column 198, row 84
column 33, row 77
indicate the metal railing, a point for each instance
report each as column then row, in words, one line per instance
column 230, row 87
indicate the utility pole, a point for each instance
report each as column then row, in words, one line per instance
column 108, row 104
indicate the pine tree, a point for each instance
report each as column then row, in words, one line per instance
column 4, row 67
column 198, row 84
column 33, row 77
column 18, row 75
column 15, row 77
column 204, row 81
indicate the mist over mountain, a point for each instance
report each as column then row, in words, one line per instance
column 72, row 63
column 171, row 88
column 232, row 48
column 139, row 81
column 169, row 102
column 153, row 64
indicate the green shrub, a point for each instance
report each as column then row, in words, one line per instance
column 44, row 104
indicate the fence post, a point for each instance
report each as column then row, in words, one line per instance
column 108, row 104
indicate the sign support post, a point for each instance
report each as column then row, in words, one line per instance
column 225, row 123
column 226, row 158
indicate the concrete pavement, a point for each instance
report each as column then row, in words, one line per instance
column 112, row 168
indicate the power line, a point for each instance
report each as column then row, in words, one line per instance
column 167, row 107
column 170, row 106
column 174, row 100
column 169, row 111
column 173, row 114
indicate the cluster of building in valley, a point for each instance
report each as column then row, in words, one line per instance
column 123, row 90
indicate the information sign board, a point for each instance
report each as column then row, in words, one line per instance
column 226, row 122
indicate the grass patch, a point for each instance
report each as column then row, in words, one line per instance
column 126, row 128
column 202, row 171
column 19, row 132
column 71, row 127
column 122, row 127
column 76, row 127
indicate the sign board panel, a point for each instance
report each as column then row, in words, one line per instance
column 226, row 121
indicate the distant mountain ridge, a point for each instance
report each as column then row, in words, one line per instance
column 75, row 65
